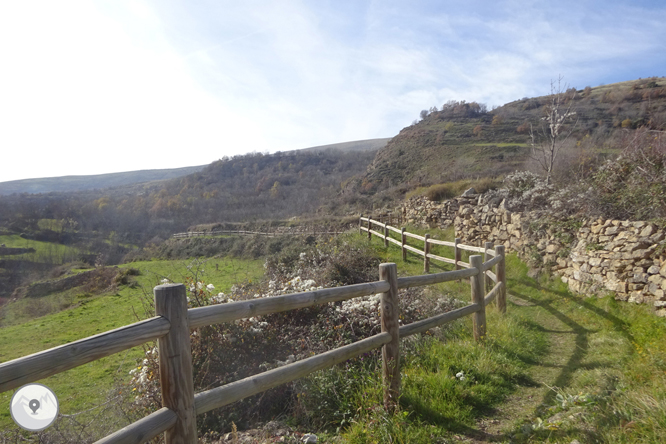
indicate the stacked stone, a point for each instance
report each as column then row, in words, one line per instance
column 424, row 212
column 624, row 257
column 621, row 256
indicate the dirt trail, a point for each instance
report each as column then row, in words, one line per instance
column 567, row 345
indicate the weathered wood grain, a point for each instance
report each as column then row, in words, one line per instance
column 415, row 236
column 390, row 312
column 394, row 229
column 144, row 429
column 473, row 249
column 436, row 278
column 227, row 394
column 377, row 233
column 441, row 242
column 414, row 250
column 435, row 321
column 426, row 251
column 491, row 263
column 394, row 241
column 440, row 258
column 501, row 277
column 492, row 294
column 175, row 358
column 457, row 252
column 488, row 247
column 15, row 373
column 477, row 283
column 215, row 314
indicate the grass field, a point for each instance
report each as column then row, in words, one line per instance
column 87, row 386
column 555, row 368
column 44, row 251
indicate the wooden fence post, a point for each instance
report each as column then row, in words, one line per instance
column 360, row 224
column 386, row 235
column 390, row 312
column 369, row 227
column 426, row 252
column 403, row 238
column 500, row 271
column 175, row 353
column 478, row 296
column 456, row 253
column 487, row 246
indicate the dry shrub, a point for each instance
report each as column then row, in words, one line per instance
column 228, row 352
column 633, row 186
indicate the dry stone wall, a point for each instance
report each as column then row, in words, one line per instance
column 591, row 256
column 424, row 212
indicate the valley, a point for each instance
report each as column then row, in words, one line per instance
column 80, row 257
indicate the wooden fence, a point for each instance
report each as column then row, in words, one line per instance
column 174, row 321
column 256, row 233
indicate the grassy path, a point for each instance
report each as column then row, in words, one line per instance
column 601, row 356
column 552, row 371
column 556, row 368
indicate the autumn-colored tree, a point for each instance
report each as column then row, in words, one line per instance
column 275, row 190
column 477, row 130
column 524, row 128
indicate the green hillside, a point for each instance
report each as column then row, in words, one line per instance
column 462, row 140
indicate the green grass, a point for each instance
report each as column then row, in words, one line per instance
column 44, row 251
column 86, row 386
column 502, row 145
column 555, row 368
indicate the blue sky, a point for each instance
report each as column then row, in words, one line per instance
column 90, row 87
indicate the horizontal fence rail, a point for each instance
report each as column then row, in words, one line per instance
column 14, row 374
column 235, row 391
column 253, row 233
column 172, row 327
column 216, row 314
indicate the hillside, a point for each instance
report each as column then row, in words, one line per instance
column 65, row 184
column 245, row 188
column 460, row 140
column 92, row 182
column 358, row 145
column 464, row 140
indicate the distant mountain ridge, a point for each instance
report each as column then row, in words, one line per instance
column 110, row 180
column 92, row 182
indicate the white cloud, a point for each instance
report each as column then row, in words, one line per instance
column 107, row 86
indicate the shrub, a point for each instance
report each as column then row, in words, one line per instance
column 633, row 186
column 440, row 192
column 523, row 128
column 266, row 342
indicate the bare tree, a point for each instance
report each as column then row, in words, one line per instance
column 552, row 132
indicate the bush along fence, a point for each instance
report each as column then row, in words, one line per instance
column 174, row 322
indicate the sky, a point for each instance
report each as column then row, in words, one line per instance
column 101, row 86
